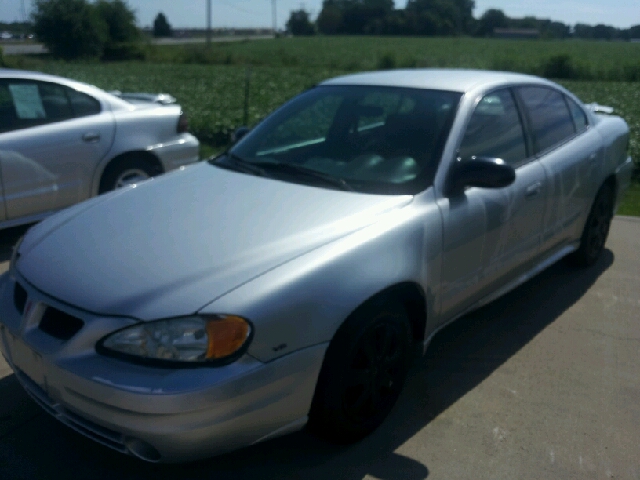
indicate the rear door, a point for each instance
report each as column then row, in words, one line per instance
column 492, row 235
column 569, row 151
column 51, row 140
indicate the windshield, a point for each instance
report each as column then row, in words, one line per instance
column 376, row 139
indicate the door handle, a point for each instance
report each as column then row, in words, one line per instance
column 91, row 137
column 533, row 189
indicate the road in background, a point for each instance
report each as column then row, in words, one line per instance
column 36, row 48
column 541, row 384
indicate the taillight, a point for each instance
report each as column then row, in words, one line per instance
column 183, row 123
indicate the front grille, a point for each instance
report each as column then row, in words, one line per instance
column 19, row 297
column 59, row 324
column 100, row 434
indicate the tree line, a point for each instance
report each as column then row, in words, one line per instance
column 108, row 29
column 435, row 17
column 81, row 28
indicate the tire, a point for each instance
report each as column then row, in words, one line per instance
column 596, row 229
column 363, row 373
column 127, row 170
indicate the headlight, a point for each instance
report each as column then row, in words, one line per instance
column 210, row 340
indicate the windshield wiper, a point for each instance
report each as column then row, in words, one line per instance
column 295, row 169
column 239, row 164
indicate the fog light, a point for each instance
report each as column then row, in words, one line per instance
column 142, row 449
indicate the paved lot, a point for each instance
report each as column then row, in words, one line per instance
column 542, row 384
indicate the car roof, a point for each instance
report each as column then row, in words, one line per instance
column 81, row 86
column 455, row 80
column 26, row 74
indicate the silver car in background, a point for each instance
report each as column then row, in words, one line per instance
column 290, row 280
column 63, row 141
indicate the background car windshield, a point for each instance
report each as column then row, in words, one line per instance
column 378, row 139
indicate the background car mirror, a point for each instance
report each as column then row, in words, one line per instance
column 239, row 133
column 481, row 172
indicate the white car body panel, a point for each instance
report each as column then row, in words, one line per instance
column 45, row 168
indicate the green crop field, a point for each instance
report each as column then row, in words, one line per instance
column 569, row 59
column 209, row 82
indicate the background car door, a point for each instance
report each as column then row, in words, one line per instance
column 491, row 235
column 51, row 139
column 570, row 153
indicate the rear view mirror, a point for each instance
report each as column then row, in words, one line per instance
column 239, row 133
column 480, row 172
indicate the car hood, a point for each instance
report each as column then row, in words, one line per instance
column 171, row 245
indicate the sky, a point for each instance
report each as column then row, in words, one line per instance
column 257, row 13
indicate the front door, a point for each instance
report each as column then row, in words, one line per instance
column 491, row 235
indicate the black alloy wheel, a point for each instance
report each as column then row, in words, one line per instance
column 596, row 229
column 363, row 374
column 374, row 377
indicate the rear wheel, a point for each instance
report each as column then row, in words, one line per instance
column 127, row 170
column 363, row 373
column 596, row 229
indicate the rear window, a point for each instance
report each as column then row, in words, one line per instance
column 579, row 117
column 551, row 120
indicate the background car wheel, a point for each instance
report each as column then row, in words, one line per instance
column 596, row 229
column 126, row 171
column 363, row 373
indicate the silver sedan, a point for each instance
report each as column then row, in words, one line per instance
column 63, row 141
column 290, row 280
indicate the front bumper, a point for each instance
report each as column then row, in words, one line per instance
column 183, row 150
column 156, row 414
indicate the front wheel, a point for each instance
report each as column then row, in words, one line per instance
column 363, row 373
column 596, row 229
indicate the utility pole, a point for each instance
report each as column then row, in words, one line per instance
column 274, row 19
column 23, row 12
column 24, row 20
column 208, row 22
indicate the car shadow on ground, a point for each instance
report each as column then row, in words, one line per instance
column 459, row 358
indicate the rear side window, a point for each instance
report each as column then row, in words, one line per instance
column 579, row 117
column 551, row 120
column 495, row 130
column 27, row 103
column 83, row 105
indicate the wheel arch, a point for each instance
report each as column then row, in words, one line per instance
column 408, row 294
column 612, row 181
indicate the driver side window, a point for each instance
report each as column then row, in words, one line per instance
column 495, row 130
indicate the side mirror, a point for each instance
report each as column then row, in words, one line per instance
column 479, row 172
column 239, row 133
